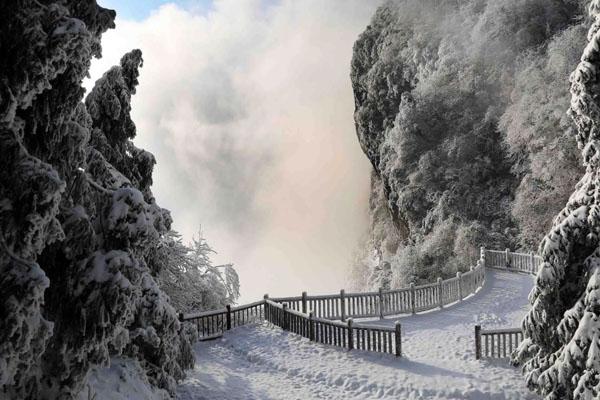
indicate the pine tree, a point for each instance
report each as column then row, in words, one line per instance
column 45, row 51
column 561, row 350
column 78, row 221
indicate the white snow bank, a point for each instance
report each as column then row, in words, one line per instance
column 124, row 379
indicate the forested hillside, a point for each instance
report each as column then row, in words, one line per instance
column 460, row 107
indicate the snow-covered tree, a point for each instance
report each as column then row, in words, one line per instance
column 45, row 50
column 190, row 278
column 539, row 134
column 561, row 350
column 432, row 81
column 78, row 222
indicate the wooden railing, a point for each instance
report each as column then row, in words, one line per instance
column 328, row 319
column 522, row 262
column 210, row 324
column 336, row 333
column 389, row 302
column 496, row 343
column 500, row 343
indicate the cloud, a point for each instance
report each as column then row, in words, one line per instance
column 248, row 110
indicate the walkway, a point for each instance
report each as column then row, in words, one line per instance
column 258, row 362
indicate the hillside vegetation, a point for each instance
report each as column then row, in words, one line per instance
column 460, row 107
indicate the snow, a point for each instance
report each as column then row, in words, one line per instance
column 261, row 362
column 124, row 379
column 71, row 26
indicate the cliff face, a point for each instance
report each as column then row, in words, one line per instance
column 439, row 89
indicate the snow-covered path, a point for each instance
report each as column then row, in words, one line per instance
column 260, row 362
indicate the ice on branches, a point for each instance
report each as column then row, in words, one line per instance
column 79, row 226
column 563, row 324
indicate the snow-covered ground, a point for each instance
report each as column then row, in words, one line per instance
column 261, row 362
column 124, row 379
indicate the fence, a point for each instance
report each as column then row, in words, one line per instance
column 522, row 262
column 389, row 302
column 497, row 343
column 500, row 343
column 213, row 323
column 336, row 333
column 328, row 319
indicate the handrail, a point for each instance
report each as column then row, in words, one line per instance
column 496, row 343
column 501, row 342
column 336, row 333
column 246, row 306
column 201, row 314
column 328, row 318
column 514, row 261
column 410, row 299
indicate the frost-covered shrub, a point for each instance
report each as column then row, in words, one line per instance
column 446, row 250
column 539, row 134
column 78, row 222
column 561, row 349
column 191, row 280
column 436, row 99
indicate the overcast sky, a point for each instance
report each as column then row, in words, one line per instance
column 247, row 106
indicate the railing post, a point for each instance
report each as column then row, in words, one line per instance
column 311, row 327
column 180, row 318
column 350, row 335
column 398, row 338
column 482, row 254
column 507, row 257
column 532, row 261
column 284, row 321
column 267, row 314
column 477, row 342
column 412, row 297
column 440, row 297
column 380, row 303
column 303, row 302
column 228, row 307
column 460, row 290
column 343, row 304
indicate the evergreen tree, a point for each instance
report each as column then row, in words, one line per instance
column 561, row 350
column 79, row 226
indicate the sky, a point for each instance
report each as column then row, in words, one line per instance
column 248, row 109
column 138, row 10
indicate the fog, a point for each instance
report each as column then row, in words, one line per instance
column 248, row 109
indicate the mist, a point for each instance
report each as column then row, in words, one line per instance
column 248, row 109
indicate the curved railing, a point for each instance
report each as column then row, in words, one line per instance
column 511, row 261
column 500, row 343
column 389, row 302
column 335, row 333
column 329, row 318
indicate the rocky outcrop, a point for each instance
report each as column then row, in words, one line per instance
column 433, row 85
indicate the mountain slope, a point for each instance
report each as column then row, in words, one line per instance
column 453, row 137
